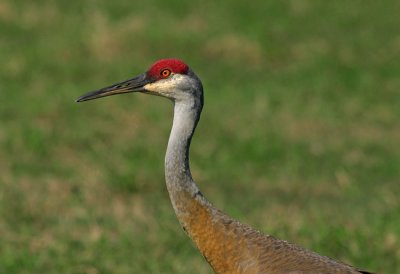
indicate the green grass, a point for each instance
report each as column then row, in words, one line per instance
column 299, row 136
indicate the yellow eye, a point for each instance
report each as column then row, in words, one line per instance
column 165, row 73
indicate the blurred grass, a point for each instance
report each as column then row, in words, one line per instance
column 299, row 135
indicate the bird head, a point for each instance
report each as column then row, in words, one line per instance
column 170, row 78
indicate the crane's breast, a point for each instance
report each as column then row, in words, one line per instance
column 219, row 238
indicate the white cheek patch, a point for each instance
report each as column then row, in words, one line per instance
column 160, row 86
column 166, row 87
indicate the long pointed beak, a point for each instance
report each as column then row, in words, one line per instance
column 132, row 85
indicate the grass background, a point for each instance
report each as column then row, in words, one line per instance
column 299, row 135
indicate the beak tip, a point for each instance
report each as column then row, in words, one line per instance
column 84, row 98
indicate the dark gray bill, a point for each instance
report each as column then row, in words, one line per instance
column 131, row 85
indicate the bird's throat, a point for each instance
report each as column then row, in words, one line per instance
column 178, row 178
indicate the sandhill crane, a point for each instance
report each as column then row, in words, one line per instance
column 228, row 245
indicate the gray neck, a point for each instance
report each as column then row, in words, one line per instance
column 179, row 180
